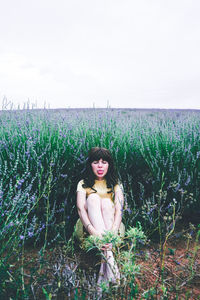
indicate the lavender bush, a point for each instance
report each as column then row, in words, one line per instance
column 42, row 157
column 43, row 154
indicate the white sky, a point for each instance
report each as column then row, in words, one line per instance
column 132, row 53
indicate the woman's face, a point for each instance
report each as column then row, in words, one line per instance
column 100, row 168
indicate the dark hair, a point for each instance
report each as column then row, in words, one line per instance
column 96, row 154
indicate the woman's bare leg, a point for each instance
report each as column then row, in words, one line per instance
column 107, row 210
column 101, row 215
column 95, row 213
column 107, row 207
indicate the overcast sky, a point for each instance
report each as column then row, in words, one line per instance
column 130, row 53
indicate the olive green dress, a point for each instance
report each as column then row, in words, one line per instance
column 103, row 192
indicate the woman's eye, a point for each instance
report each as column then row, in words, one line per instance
column 105, row 162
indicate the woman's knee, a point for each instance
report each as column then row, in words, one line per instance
column 107, row 206
column 93, row 200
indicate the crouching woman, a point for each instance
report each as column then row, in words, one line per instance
column 99, row 203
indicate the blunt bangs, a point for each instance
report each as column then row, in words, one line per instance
column 97, row 153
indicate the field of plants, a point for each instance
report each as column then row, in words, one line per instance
column 42, row 158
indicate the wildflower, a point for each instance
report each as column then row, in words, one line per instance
column 41, row 228
column 63, row 175
column 30, row 234
column 129, row 210
column 187, row 181
column 32, row 198
column 21, row 237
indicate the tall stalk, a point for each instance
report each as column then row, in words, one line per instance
column 159, row 213
column 49, row 181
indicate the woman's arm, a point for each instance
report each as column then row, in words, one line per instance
column 119, row 202
column 81, row 206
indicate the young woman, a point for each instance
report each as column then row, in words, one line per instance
column 100, row 203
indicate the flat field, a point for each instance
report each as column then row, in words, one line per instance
column 42, row 157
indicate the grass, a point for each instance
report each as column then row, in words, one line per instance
column 42, row 157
